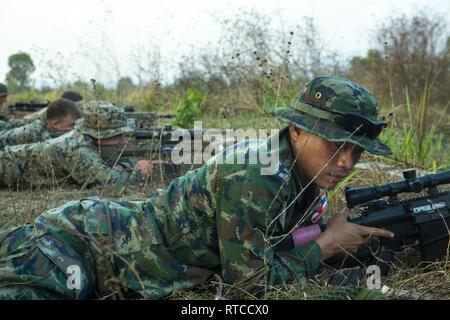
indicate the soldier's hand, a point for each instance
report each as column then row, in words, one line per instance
column 343, row 237
column 145, row 167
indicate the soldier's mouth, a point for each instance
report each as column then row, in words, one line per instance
column 336, row 177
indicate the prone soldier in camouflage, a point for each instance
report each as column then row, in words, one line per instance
column 60, row 117
column 3, row 94
column 77, row 156
column 5, row 121
column 222, row 218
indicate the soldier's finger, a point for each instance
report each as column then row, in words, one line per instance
column 369, row 231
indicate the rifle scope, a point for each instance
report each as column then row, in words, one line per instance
column 411, row 183
column 28, row 106
column 167, row 116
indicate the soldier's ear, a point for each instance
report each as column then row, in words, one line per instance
column 294, row 133
column 52, row 123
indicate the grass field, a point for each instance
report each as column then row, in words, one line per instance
column 427, row 150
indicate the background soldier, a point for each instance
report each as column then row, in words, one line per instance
column 77, row 155
column 60, row 117
column 3, row 99
column 73, row 96
column 225, row 218
column 3, row 94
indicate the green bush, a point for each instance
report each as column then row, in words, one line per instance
column 188, row 109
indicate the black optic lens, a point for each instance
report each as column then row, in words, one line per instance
column 360, row 126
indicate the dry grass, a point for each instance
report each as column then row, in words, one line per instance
column 408, row 279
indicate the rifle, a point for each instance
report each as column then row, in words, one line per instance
column 144, row 120
column 422, row 222
column 163, row 141
column 128, row 108
column 158, row 140
column 30, row 106
column 192, row 146
column 157, row 143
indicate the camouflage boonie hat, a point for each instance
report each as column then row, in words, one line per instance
column 101, row 120
column 337, row 110
column 3, row 90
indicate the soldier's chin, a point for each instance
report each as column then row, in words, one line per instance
column 327, row 182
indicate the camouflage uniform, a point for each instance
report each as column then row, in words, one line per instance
column 3, row 90
column 3, row 117
column 33, row 132
column 73, row 156
column 220, row 218
column 213, row 219
column 3, row 125
column 11, row 123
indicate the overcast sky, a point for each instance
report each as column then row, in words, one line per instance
column 59, row 31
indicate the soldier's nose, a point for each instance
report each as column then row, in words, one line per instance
column 345, row 159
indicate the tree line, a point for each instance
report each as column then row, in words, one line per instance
column 409, row 54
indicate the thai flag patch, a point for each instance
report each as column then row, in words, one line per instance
column 320, row 209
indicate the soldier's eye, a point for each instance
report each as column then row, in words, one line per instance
column 334, row 146
column 358, row 150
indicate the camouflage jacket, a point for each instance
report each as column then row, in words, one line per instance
column 219, row 218
column 11, row 124
column 3, row 124
column 69, row 157
column 33, row 132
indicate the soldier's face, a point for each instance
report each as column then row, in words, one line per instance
column 118, row 140
column 64, row 124
column 3, row 99
column 323, row 161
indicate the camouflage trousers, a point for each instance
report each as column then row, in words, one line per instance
column 113, row 248
column 95, row 248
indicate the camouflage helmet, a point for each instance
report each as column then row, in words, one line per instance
column 3, row 90
column 337, row 110
column 101, row 120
